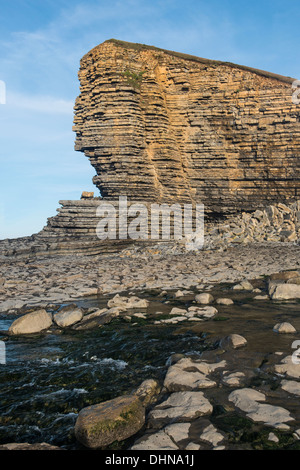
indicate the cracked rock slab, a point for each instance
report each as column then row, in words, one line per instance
column 234, row 379
column 189, row 375
column 157, row 441
column 182, row 406
column 288, row 368
column 249, row 401
column 165, row 439
column 291, row 386
column 212, row 435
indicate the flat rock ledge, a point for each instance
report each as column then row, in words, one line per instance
column 190, row 375
column 26, row 446
column 190, row 386
column 182, row 406
column 249, row 401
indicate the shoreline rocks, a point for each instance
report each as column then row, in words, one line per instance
column 125, row 284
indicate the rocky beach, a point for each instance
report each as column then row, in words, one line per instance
column 229, row 383
column 145, row 344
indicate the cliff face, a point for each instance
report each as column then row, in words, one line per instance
column 162, row 126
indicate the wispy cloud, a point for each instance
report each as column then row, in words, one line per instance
column 40, row 104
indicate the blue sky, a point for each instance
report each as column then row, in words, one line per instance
column 41, row 43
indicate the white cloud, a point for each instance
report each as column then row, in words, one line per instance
column 41, row 104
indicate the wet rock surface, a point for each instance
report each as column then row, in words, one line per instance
column 241, row 385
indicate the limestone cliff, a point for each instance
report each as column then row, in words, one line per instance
column 162, row 126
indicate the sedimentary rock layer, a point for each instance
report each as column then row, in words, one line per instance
column 163, row 126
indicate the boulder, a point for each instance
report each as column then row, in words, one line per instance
column 224, row 301
column 68, row 316
column 147, row 391
column 204, row 298
column 203, row 312
column 233, row 341
column 284, row 276
column 98, row 318
column 272, row 437
column 178, row 311
column 244, row 285
column 177, row 294
column 285, row 292
column 30, row 323
column 284, row 327
column 99, row 425
column 86, row 292
column 87, row 195
column 246, row 399
column 178, row 431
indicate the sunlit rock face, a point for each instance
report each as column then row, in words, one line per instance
column 162, row 126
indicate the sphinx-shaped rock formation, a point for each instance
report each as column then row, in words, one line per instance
column 163, row 126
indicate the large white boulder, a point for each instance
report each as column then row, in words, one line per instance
column 33, row 322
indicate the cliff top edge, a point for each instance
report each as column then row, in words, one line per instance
column 142, row 47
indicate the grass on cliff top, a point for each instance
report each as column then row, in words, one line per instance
column 141, row 47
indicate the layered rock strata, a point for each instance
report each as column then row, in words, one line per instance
column 163, row 126
column 159, row 126
column 74, row 230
